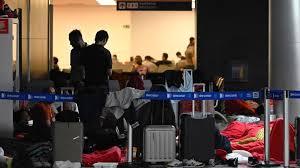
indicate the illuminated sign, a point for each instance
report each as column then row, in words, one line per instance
column 152, row 5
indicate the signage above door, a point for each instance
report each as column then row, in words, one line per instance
column 154, row 5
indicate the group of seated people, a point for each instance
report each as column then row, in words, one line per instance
column 149, row 64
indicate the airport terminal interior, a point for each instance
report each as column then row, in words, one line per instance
column 149, row 83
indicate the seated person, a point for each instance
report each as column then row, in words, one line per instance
column 164, row 60
column 55, row 64
column 115, row 59
column 136, row 82
column 68, row 114
column 149, row 63
column 138, row 67
column 43, row 117
column 21, row 118
column 181, row 64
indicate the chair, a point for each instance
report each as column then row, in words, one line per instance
column 113, row 85
column 163, row 68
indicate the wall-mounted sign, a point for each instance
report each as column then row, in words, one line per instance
column 153, row 5
column 3, row 26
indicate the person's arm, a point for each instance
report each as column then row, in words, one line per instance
column 109, row 64
column 72, row 57
column 109, row 72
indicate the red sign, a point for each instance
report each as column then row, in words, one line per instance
column 3, row 26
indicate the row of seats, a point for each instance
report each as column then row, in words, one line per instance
column 114, row 85
column 126, row 68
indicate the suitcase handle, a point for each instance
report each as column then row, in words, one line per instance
column 163, row 114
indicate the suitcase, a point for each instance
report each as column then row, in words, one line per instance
column 159, row 142
column 68, row 141
column 197, row 136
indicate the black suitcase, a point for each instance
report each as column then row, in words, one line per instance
column 197, row 136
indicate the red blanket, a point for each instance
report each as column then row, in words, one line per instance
column 250, row 137
column 113, row 154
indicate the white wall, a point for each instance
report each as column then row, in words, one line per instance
column 149, row 33
column 90, row 19
column 12, row 4
column 156, row 32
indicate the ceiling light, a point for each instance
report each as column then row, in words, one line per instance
column 193, row 4
column 106, row 2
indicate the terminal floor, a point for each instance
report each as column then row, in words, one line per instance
column 219, row 166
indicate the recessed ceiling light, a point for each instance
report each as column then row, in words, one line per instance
column 193, row 4
column 106, row 2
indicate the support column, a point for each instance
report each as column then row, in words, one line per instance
column 284, row 50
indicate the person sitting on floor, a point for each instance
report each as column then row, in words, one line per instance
column 42, row 115
column 21, row 126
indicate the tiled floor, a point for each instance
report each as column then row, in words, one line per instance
column 217, row 166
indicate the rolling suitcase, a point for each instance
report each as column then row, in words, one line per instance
column 159, row 142
column 197, row 136
column 68, row 141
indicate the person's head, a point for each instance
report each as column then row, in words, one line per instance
column 115, row 57
column 6, row 8
column 138, row 60
column 178, row 54
column 148, row 58
column 75, row 38
column 101, row 37
column 192, row 40
column 165, row 56
column 55, row 60
column 131, row 59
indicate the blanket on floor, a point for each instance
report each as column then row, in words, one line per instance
column 250, row 137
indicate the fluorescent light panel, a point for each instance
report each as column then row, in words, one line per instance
column 106, row 2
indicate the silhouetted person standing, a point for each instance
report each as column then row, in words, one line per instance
column 77, row 71
column 97, row 63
